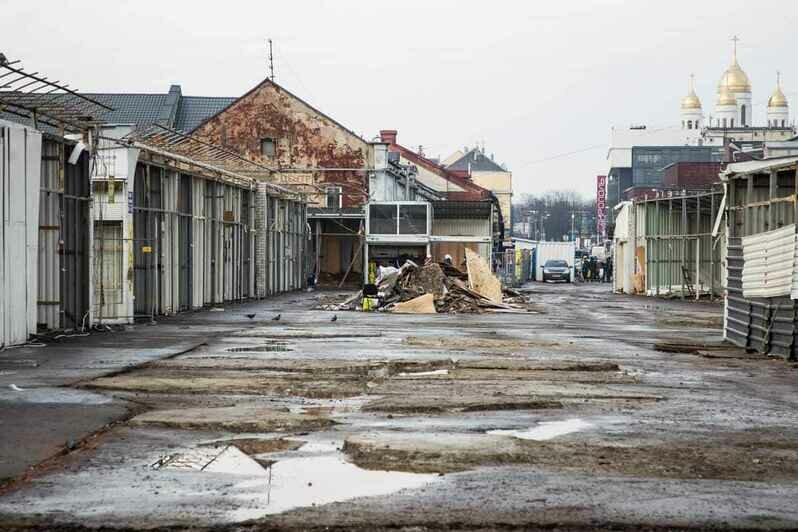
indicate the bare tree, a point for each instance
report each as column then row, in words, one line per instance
column 555, row 215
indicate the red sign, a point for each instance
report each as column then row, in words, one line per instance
column 601, row 205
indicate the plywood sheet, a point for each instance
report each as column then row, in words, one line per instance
column 421, row 305
column 481, row 279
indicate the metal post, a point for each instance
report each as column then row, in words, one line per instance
column 683, row 239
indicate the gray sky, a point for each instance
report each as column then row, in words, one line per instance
column 532, row 80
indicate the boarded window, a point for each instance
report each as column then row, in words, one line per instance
column 268, row 147
column 334, row 197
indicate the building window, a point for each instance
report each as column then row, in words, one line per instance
column 732, row 122
column 724, row 122
column 689, row 124
column 682, row 124
column 783, row 123
column 696, row 124
column 743, row 120
column 334, row 197
column 268, row 147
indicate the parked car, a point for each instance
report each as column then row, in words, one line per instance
column 556, row 270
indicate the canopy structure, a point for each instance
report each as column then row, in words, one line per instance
column 46, row 102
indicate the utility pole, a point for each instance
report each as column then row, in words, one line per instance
column 271, row 62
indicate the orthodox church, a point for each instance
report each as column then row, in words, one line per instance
column 732, row 112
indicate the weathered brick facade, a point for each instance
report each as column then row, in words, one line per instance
column 304, row 142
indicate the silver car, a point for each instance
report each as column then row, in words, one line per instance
column 556, row 270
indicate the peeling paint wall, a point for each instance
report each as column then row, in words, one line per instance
column 304, row 138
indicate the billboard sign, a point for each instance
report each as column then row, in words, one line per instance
column 601, row 205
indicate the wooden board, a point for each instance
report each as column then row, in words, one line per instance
column 481, row 279
column 421, row 305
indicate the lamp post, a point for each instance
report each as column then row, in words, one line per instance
column 572, row 226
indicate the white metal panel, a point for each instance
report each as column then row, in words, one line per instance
column 461, row 227
column 19, row 184
column 794, row 286
column 769, row 260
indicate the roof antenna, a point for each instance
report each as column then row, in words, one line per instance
column 271, row 62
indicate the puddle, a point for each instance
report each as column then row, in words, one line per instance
column 22, row 393
column 424, row 373
column 546, row 430
column 321, row 475
column 259, row 348
column 317, row 474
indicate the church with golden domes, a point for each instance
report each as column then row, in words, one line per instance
column 732, row 114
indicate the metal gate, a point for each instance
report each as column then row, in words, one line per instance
column 64, row 223
column 184, row 253
column 147, row 217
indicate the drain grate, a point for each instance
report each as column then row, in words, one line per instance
column 259, row 348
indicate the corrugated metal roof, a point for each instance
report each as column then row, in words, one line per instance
column 769, row 261
column 752, row 167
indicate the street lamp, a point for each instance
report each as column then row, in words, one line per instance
column 572, row 226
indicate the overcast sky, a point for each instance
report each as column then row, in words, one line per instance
column 532, row 80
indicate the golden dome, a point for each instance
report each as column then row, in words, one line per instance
column 777, row 99
column 734, row 78
column 725, row 96
column 691, row 101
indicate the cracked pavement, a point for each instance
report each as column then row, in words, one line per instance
column 573, row 415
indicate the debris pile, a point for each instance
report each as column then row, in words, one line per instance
column 432, row 288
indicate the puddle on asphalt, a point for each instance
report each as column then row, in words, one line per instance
column 424, row 373
column 276, row 346
column 546, row 430
column 22, row 393
column 318, row 474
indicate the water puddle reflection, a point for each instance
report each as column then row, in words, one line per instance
column 271, row 483
column 546, row 430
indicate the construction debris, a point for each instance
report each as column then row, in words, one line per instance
column 480, row 278
column 420, row 305
column 432, row 288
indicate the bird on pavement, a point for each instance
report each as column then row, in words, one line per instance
column 334, row 318
column 277, row 317
column 250, row 316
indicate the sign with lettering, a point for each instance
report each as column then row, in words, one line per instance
column 601, row 205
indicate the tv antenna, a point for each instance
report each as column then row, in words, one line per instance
column 271, row 61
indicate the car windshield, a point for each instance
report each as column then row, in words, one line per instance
column 556, row 264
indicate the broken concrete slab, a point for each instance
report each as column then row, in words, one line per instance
column 437, row 404
column 444, row 452
column 233, row 382
column 479, row 343
column 239, row 418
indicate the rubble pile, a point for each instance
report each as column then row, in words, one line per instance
column 414, row 289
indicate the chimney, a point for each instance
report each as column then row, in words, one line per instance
column 388, row 136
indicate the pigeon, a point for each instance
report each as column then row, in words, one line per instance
column 250, row 316
column 277, row 317
column 334, row 318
